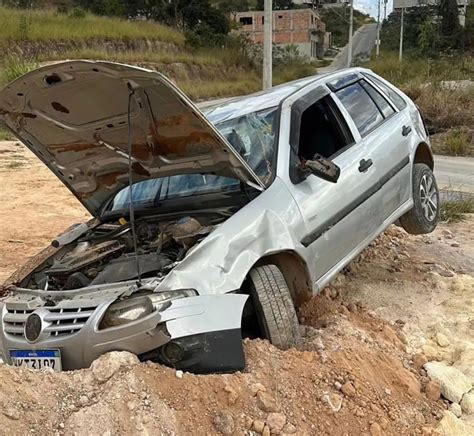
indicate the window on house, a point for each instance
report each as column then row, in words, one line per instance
column 280, row 16
column 246, row 21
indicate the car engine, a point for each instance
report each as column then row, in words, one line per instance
column 106, row 254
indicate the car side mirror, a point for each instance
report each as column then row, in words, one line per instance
column 323, row 168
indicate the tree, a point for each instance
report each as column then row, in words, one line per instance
column 449, row 23
column 429, row 40
column 200, row 12
column 414, row 22
column 232, row 6
column 277, row 4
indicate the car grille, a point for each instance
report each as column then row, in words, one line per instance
column 64, row 321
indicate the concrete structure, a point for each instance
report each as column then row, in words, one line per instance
column 300, row 27
column 462, row 6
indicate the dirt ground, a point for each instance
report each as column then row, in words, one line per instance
column 406, row 300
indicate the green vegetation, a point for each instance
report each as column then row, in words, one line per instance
column 454, row 210
column 5, row 135
column 448, row 108
column 418, row 70
column 430, row 31
column 337, row 20
column 457, row 141
column 46, row 25
column 202, row 61
column 15, row 66
column 200, row 57
column 235, row 84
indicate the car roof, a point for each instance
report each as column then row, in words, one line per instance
column 224, row 109
column 221, row 110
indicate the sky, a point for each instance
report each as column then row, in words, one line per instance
column 370, row 7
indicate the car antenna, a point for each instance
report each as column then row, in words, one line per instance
column 130, row 179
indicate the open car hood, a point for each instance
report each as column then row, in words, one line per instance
column 74, row 117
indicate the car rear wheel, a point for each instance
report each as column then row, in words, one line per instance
column 424, row 215
column 274, row 307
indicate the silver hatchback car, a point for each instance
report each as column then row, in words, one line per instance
column 207, row 225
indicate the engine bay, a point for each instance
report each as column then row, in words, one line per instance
column 106, row 253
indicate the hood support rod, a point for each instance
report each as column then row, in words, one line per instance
column 130, row 180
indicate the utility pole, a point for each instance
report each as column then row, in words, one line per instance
column 349, row 45
column 267, row 44
column 385, row 9
column 400, row 53
column 377, row 41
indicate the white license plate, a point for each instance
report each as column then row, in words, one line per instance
column 39, row 359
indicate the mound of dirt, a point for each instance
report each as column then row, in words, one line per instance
column 351, row 376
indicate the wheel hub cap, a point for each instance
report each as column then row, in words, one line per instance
column 429, row 197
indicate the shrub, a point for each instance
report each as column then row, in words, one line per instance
column 24, row 27
column 457, row 142
column 454, row 210
column 77, row 13
column 444, row 108
column 14, row 67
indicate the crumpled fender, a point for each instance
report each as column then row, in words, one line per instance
column 204, row 314
column 220, row 263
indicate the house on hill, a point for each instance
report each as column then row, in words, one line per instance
column 302, row 28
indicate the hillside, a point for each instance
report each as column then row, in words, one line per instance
column 337, row 22
column 32, row 37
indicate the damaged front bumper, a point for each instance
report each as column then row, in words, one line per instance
column 199, row 334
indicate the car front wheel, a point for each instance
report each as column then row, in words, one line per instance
column 274, row 306
column 424, row 215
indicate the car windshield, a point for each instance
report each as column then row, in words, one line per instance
column 252, row 135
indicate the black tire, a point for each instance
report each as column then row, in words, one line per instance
column 424, row 216
column 274, row 307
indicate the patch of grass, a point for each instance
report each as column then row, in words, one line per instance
column 453, row 210
column 14, row 67
column 245, row 83
column 443, row 108
column 287, row 73
column 422, row 70
column 5, row 134
column 200, row 57
column 457, row 142
column 14, row 165
column 47, row 25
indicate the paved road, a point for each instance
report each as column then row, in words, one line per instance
column 363, row 42
column 455, row 173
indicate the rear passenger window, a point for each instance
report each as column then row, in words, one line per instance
column 396, row 99
column 361, row 107
column 379, row 100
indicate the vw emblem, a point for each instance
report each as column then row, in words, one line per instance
column 33, row 327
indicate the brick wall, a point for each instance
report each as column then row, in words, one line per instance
column 302, row 27
column 293, row 26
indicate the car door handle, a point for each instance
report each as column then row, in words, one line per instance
column 364, row 165
column 406, row 130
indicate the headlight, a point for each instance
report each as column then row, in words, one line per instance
column 162, row 300
column 136, row 307
column 125, row 311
